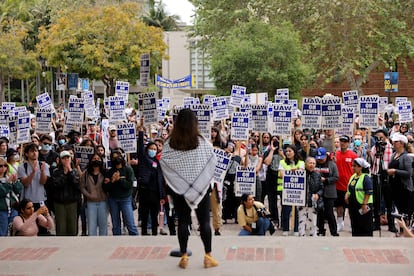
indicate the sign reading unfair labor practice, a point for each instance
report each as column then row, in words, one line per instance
column 223, row 161
column 240, row 126
column 220, row 109
column 127, row 137
column 282, row 119
column 331, row 113
column 237, row 95
column 203, row 114
column 347, row 122
column 311, row 113
column 148, row 107
column 259, row 117
column 294, row 188
column 245, row 182
column 368, row 111
column 43, row 120
column 350, row 99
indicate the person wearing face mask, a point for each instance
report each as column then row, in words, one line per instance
column 118, row 184
column 150, row 184
column 91, row 187
column 48, row 155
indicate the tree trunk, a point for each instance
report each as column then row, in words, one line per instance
column 1, row 88
column 22, row 91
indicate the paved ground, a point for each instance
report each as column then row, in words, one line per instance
column 270, row 255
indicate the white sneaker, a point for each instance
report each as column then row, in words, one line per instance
column 340, row 226
column 285, row 233
column 296, row 234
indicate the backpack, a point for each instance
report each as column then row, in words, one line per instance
column 11, row 232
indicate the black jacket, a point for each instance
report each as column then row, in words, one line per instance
column 313, row 186
column 65, row 186
column 149, row 175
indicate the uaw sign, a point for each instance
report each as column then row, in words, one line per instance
column 148, row 107
column 223, row 162
column 294, row 188
column 245, row 182
column 368, row 111
column 311, row 113
column 331, row 113
column 240, row 126
column 43, row 120
column 84, row 154
column 127, row 138
column 203, row 114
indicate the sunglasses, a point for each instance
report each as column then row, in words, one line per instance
column 3, row 166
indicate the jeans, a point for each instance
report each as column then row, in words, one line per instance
column 286, row 213
column 5, row 219
column 124, row 205
column 262, row 224
column 97, row 214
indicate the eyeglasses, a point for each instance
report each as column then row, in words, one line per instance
column 256, row 136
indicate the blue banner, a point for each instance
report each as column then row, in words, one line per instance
column 187, row 81
column 391, row 81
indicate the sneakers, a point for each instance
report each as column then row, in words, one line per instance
column 285, row 233
column 340, row 226
column 217, row 232
column 163, row 232
column 296, row 234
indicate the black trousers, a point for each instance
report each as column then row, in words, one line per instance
column 327, row 214
column 183, row 212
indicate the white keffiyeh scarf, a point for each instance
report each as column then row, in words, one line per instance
column 189, row 173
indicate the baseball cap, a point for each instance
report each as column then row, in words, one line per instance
column 344, row 138
column 321, row 153
column 112, row 127
column 64, row 153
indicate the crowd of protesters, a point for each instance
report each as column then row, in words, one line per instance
column 44, row 190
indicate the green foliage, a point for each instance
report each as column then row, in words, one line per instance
column 346, row 39
column 102, row 43
column 158, row 17
column 260, row 57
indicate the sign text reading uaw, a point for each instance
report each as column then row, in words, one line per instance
column 294, row 188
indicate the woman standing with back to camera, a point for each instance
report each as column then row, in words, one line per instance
column 188, row 165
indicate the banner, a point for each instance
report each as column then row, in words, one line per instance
column 187, row 81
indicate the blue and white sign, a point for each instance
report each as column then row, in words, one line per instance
column 203, row 114
column 259, row 117
column 4, row 131
column 23, row 128
column 44, row 101
column 294, row 188
column 282, row 119
column 43, row 120
column 237, row 95
column 84, row 84
column 122, row 89
column 331, row 113
column 8, row 106
column 4, row 114
column 282, row 94
column 368, row 111
column 405, row 114
column 148, row 107
column 220, row 109
column 127, row 138
column 222, row 165
column 116, row 108
column 347, row 121
column 240, row 126
column 84, row 154
column 350, row 98
column 208, row 99
column 12, row 122
column 311, row 113
column 245, row 182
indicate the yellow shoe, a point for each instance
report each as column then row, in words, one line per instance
column 183, row 261
column 209, row 261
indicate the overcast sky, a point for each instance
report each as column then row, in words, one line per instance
column 183, row 8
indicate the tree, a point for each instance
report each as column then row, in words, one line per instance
column 157, row 17
column 346, row 39
column 15, row 61
column 260, row 57
column 102, row 43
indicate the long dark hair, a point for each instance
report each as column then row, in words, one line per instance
column 89, row 167
column 21, row 205
column 296, row 156
column 185, row 133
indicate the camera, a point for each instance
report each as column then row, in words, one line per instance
column 263, row 212
column 380, row 148
column 399, row 216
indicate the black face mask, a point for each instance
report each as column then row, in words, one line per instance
column 116, row 161
column 96, row 163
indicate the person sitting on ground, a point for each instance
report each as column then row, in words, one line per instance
column 26, row 223
column 249, row 219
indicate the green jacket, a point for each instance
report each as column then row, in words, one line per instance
column 9, row 194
